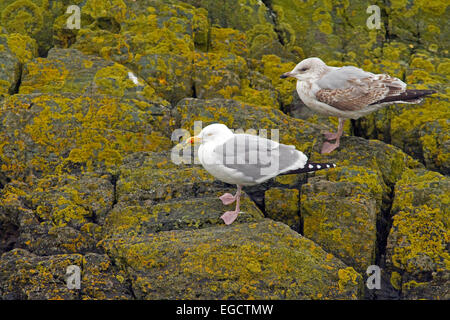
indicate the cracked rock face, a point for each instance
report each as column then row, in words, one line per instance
column 260, row 260
column 10, row 71
column 44, row 277
column 417, row 247
column 86, row 171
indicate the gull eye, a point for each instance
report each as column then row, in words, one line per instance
column 303, row 69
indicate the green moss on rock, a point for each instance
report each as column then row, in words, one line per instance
column 23, row 17
column 23, row 46
column 195, row 213
column 10, row 67
column 263, row 260
column 27, row 276
column 340, row 213
column 417, row 243
column 283, row 205
column 60, row 133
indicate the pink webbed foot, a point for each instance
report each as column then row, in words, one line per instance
column 331, row 135
column 329, row 147
column 229, row 216
column 227, row 198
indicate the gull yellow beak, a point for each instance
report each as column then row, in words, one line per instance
column 192, row 140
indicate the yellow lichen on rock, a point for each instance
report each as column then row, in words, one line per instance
column 417, row 244
column 23, row 46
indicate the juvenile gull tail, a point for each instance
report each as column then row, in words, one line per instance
column 311, row 167
column 408, row 96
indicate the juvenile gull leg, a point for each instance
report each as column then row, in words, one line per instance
column 330, row 135
column 328, row 147
column 229, row 216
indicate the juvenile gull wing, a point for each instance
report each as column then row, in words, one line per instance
column 352, row 89
column 258, row 159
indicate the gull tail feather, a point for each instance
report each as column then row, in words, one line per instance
column 408, row 96
column 311, row 167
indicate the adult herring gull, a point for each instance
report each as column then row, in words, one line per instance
column 347, row 92
column 246, row 160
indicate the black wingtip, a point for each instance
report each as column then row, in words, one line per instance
column 311, row 167
column 427, row 92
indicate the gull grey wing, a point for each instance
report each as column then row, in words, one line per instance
column 257, row 158
column 339, row 78
column 351, row 88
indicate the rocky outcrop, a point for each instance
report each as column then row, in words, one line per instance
column 51, row 133
column 44, row 277
column 15, row 50
column 263, row 260
column 417, row 247
column 88, row 176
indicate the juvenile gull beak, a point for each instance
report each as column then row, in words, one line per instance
column 286, row 75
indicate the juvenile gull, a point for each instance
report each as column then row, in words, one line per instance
column 347, row 92
column 246, row 160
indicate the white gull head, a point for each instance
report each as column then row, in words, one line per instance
column 308, row 69
column 215, row 133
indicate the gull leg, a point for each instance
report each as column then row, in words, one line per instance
column 227, row 198
column 330, row 135
column 329, row 147
column 229, row 216
column 335, row 135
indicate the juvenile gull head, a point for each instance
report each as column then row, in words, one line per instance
column 308, row 69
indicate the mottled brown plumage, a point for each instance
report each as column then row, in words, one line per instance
column 347, row 92
column 368, row 91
